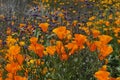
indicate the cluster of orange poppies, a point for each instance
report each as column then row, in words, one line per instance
column 27, row 49
column 14, row 60
column 67, row 44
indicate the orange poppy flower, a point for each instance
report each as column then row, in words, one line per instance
column 33, row 40
column 105, row 38
column 105, row 50
column 19, row 78
column 80, row 40
column 13, row 67
column 62, row 50
column 64, row 56
column 98, row 44
column 37, row 48
column 14, row 50
column 91, row 46
column 104, row 68
column 44, row 26
column 95, row 33
column 72, row 47
column 61, row 32
column 59, row 45
column 111, row 78
column 0, row 43
column 10, row 76
column 8, row 79
column 107, row 23
column 1, row 78
column 102, row 75
column 51, row 50
column 20, row 58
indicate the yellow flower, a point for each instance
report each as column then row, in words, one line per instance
column 45, row 52
column 118, row 78
column 89, row 23
column 2, row 16
column 118, row 41
column 45, row 70
column 32, row 61
column 10, row 41
column 117, row 22
column 92, row 18
column 106, row 61
column 22, row 43
column 42, row 62
column 22, row 25
column 74, row 22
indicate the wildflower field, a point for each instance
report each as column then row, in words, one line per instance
column 59, row 39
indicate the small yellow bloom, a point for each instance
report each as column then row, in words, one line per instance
column 106, row 61
column 45, row 70
column 74, row 11
column 45, row 52
column 32, row 61
column 42, row 62
column 92, row 18
column 22, row 25
column 118, row 41
column 89, row 24
column 22, row 43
